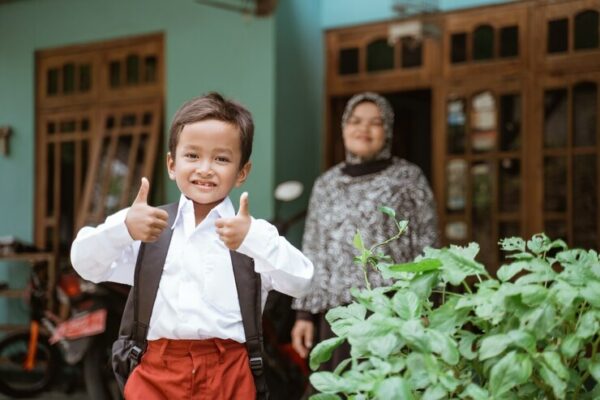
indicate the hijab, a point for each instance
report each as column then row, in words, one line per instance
column 355, row 165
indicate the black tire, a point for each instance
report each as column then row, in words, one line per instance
column 100, row 381
column 15, row 381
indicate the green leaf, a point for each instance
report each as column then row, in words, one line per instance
column 343, row 318
column 435, row 392
column 413, row 332
column 591, row 293
column 374, row 300
column 383, row 346
column 422, row 284
column 358, row 241
column 465, row 345
column 594, row 368
column 424, row 265
column 441, row 344
column 533, row 295
column 551, row 379
column 323, row 351
column 570, row 346
column 507, row 272
column 587, row 326
column 388, row 211
column 342, row 366
column 491, row 346
column 406, row 304
column 394, row 388
column 447, row 318
column 475, row 392
column 402, row 225
column 512, row 370
column 512, row 244
column 325, row 396
column 554, row 362
column 328, row 382
column 457, row 262
column 381, row 366
column 539, row 320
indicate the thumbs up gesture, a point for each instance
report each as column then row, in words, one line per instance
column 233, row 231
column 145, row 222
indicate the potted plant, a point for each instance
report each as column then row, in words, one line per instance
column 531, row 332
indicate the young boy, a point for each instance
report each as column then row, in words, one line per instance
column 195, row 338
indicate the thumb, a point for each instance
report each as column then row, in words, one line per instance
column 142, row 196
column 243, row 211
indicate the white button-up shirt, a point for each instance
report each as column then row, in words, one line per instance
column 197, row 296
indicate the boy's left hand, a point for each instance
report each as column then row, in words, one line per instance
column 233, row 231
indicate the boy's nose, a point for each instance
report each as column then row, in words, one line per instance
column 204, row 168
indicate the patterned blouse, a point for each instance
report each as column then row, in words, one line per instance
column 340, row 204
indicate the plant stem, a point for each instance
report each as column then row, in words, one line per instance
column 367, row 283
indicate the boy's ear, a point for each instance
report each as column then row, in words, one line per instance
column 171, row 166
column 243, row 174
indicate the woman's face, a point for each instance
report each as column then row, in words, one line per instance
column 364, row 132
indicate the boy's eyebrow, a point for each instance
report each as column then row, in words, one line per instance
column 218, row 149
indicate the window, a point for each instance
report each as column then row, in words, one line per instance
column 483, row 43
column 586, row 30
column 380, row 56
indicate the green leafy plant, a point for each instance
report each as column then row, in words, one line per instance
column 531, row 332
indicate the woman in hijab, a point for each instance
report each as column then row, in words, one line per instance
column 346, row 198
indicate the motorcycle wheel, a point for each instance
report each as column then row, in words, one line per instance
column 17, row 382
column 98, row 374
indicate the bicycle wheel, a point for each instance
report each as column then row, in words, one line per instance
column 15, row 380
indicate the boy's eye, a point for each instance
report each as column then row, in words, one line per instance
column 190, row 156
column 222, row 159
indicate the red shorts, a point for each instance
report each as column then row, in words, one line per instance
column 213, row 369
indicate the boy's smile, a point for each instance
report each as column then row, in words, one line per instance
column 206, row 163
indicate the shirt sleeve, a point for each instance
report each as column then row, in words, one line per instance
column 106, row 252
column 287, row 269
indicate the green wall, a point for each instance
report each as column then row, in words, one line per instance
column 299, row 93
column 205, row 49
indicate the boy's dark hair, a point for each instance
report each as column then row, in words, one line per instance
column 214, row 106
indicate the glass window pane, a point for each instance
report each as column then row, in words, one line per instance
column 115, row 74
column 51, row 183
column 509, row 182
column 456, row 231
column 51, row 128
column 556, row 229
column 585, row 202
column 85, row 125
column 68, row 82
column 138, row 168
column 67, row 196
column 132, row 65
column 95, row 204
column 118, row 171
column 482, row 206
column 586, row 30
column 555, row 118
column 510, row 122
column 52, row 77
column 456, row 126
column 458, row 48
column 555, row 184
column 585, row 117
column 85, row 77
column 456, row 189
column 483, row 122
column 483, row 43
column 67, row 126
column 380, row 56
column 128, row 120
column 412, row 53
column 348, row 61
column 509, row 41
column 150, row 69
column 558, row 35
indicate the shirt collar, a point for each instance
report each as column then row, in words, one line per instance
column 222, row 210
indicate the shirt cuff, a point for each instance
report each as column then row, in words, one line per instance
column 259, row 235
column 116, row 229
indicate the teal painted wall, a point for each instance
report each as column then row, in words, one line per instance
column 205, row 49
column 337, row 13
column 299, row 107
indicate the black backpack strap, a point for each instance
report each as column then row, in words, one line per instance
column 249, row 288
column 148, row 271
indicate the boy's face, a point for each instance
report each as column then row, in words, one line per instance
column 206, row 162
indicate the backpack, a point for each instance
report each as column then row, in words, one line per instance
column 128, row 349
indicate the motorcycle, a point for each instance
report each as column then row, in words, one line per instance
column 72, row 343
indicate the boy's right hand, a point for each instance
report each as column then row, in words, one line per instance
column 145, row 222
